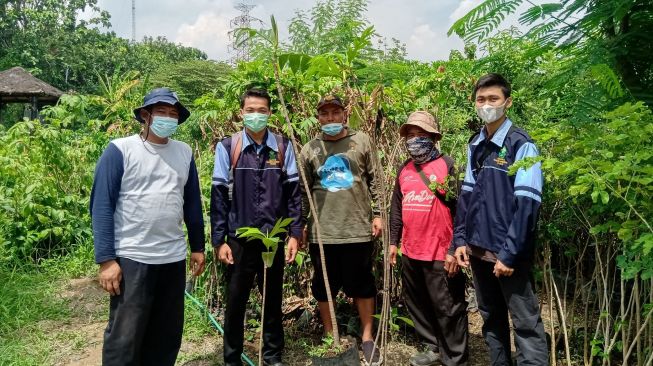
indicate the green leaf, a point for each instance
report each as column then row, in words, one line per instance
column 625, row 234
column 538, row 12
column 356, row 118
column 646, row 243
column 42, row 218
column 279, row 226
column 607, row 79
column 297, row 62
column 299, row 258
column 250, row 233
column 270, row 243
column 407, row 321
column 268, row 258
column 323, row 65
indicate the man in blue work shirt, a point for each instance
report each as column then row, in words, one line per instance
column 255, row 182
column 494, row 228
column 144, row 186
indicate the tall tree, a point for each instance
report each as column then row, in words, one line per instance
column 333, row 25
column 617, row 32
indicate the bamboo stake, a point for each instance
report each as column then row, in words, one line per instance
column 311, row 203
column 260, row 338
column 562, row 320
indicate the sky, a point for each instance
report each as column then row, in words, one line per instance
column 421, row 24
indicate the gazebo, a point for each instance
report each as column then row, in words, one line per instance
column 19, row 86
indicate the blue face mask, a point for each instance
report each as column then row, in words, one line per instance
column 164, row 126
column 255, row 122
column 332, row 129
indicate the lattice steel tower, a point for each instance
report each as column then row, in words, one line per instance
column 244, row 20
column 133, row 20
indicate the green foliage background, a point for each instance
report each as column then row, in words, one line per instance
column 582, row 81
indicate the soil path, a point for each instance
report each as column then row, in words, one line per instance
column 79, row 339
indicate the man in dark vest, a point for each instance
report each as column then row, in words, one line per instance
column 255, row 182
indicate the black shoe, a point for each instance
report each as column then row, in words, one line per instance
column 371, row 359
column 427, row 358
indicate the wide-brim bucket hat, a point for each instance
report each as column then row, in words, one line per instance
column 423, row 120
column 162, row 95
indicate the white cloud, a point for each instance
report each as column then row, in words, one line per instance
column 463, row 8
column 204, row 24
column 427, row 44
column 209, row 32
column 422, row 36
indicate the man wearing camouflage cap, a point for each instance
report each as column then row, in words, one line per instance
column 340, row 167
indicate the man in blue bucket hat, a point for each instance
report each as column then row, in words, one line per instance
column 145, row 185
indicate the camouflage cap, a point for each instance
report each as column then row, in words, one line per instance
column 330, row 99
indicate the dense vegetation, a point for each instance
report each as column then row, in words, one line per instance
column 582, row 79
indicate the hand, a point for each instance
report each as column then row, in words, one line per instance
column 224, row 254
column 501, row 269
column 197, row 263
column 451, row 265
column 392, row 253
column 110, row 277
column 461, row 257
column 291, row 251
column 377, row 227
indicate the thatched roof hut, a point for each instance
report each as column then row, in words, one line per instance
column 19, row 86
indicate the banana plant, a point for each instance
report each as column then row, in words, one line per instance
column 270, row 240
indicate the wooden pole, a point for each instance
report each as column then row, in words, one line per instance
column 35, row 108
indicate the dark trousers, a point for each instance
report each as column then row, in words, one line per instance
column 437, row 305
column 147, row 318
column 498, row 296
column 240, row 279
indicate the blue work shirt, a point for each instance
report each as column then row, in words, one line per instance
column 263, row 189
column 497, row 211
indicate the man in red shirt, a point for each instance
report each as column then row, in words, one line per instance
column 421, row 220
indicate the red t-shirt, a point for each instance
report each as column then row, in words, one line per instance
column 427, row 222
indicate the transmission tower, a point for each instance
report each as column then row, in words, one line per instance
column 241, row 52
column 133, row 20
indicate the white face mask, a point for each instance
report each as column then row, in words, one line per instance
column 489, row 113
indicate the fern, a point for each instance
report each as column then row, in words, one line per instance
column 539, row 12
column 607, row 79
column 482, row 20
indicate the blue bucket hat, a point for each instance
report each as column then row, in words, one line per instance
column 162, row 95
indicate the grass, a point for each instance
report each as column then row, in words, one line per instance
column 39, row 326
column 79, row 263
column 27, row 298
column 32, row 311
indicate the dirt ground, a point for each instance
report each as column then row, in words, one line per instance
column 79, row 339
